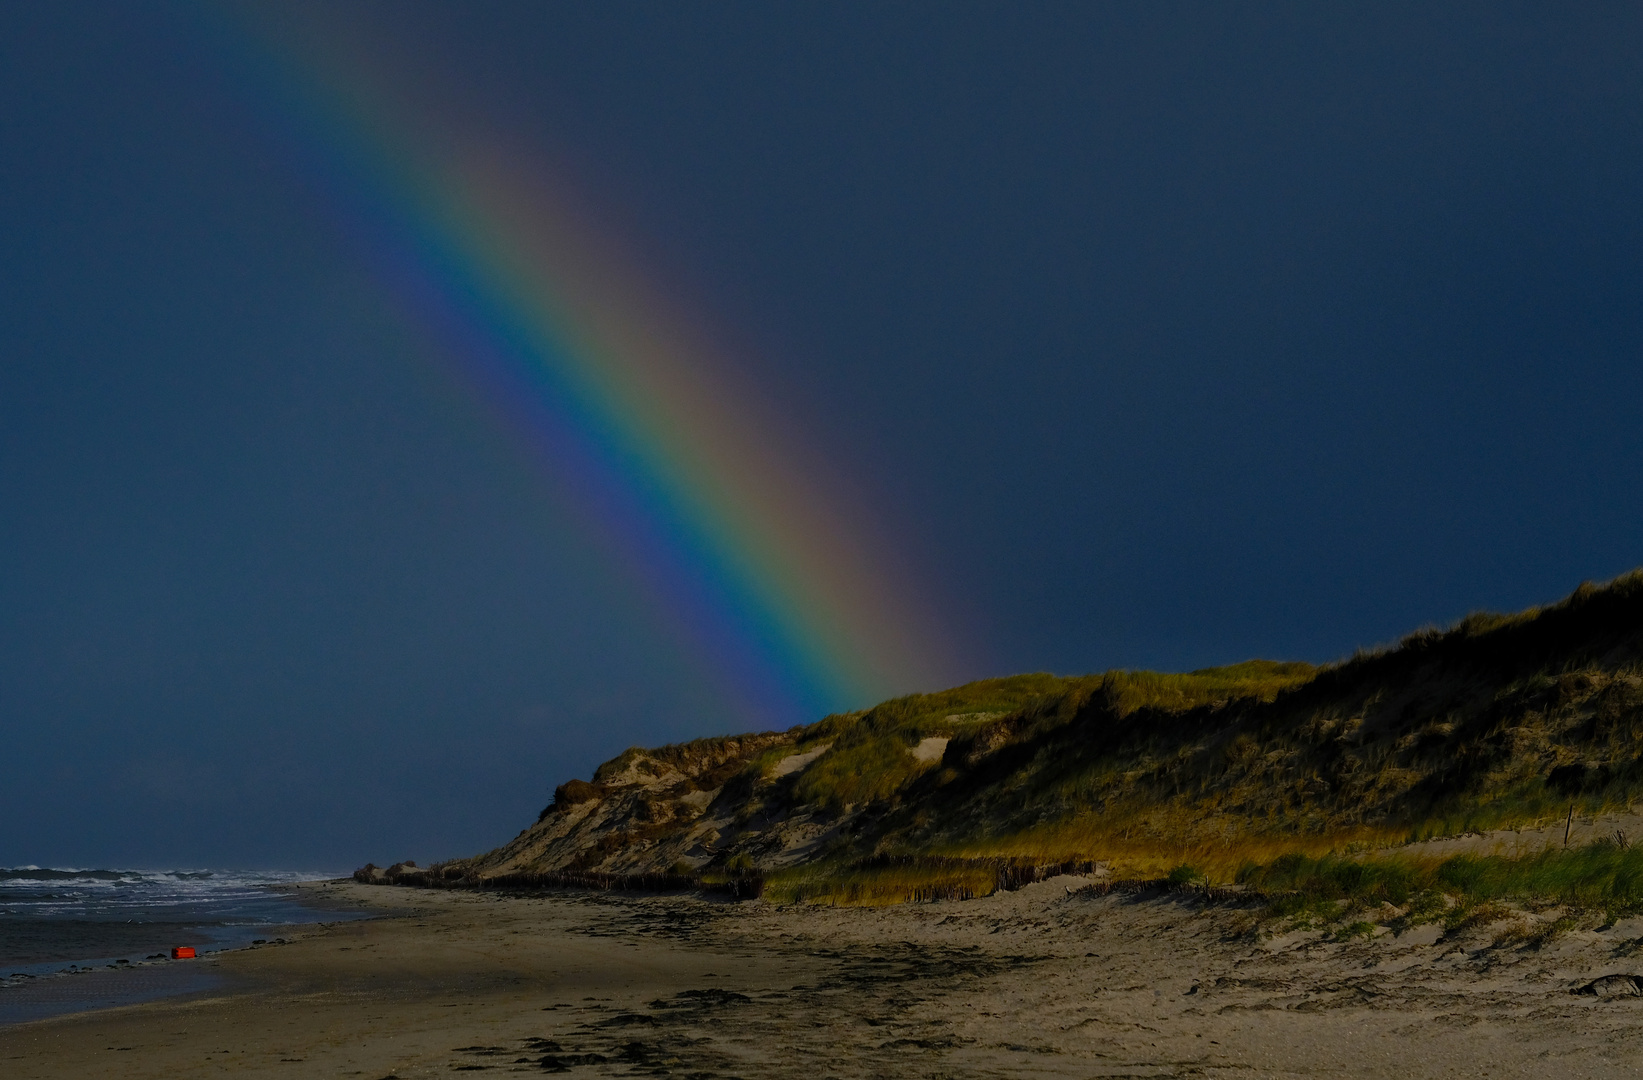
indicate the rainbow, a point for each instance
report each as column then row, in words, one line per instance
column 731, row 525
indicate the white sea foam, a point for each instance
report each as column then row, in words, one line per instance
column 98, row 894
column 52, row 916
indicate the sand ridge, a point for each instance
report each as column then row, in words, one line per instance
column 1047, row 981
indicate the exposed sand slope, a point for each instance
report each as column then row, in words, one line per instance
column 793, row 763
column 1033, row 983
column 657, row 810
column 931, row 748
column 1499, row 721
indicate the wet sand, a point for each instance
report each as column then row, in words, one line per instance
column 1034, row 983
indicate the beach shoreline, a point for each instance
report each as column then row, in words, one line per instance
column 61, row 964
column 1047, row 981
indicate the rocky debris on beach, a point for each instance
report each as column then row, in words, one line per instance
column 1613, row 986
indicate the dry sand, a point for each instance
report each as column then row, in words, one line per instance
column 1026, row 984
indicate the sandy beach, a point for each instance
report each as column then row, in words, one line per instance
column 1040, row 982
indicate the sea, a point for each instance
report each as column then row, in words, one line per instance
column 77, row 939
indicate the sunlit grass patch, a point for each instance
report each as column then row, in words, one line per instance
column 1129, row 851
column 1130, row 691
column 1460, row 892
column 870, row 758
column 1601, row 875
column 860, row 770
column 912, row 881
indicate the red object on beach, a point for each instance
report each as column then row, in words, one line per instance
column 183, row 952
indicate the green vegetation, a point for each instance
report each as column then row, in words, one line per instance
column 870, row 757
column 1127, row 692
column 1186, row 874
column 1601, row 875
column 1283, row 775
column 1499, row 721
column 1461, row 891
column 1391, row 880
column 911, row 881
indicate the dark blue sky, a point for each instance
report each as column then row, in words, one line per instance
column 1159, row 335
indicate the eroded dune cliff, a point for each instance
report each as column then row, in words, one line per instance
column 1497, row 722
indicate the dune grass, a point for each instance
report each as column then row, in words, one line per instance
column 913, row 881
column 1497, row 722
column 1145, row 856
column 871, row 753
column 1130, row 691
column 869, row 758
column 1330, row 889
column 1598, row 877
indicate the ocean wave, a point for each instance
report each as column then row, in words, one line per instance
column 54, row 914
column 101, row 894
column 39, row 873
column 160, row 877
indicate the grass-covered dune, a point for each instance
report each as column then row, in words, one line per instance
column 1501, row 721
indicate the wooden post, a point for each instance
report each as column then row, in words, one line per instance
column 1567, row 825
